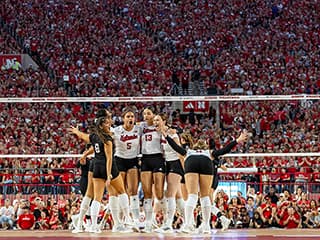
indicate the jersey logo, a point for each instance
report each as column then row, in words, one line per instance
column 147, row 130
column 125, row 138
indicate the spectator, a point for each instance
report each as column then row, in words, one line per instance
column 243, row 219
column 257, row 220
column 55, row 221
column 285, row 179
column 22, row 204
column 307, row 220
column 7, row 215
column 34, row 199
column 267, row 211
column 317, row 218
column 274, row 179
column 39, row 208
column 301, row 178
column 42, row 222
column 250, row 206
column 291, row 218
column 26, row 220
column 272, row 196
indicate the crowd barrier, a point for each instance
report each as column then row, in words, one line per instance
column 240, row 182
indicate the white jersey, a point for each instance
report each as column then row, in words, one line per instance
column 169, row 153
column 191, row 152
column 127, row 143
column 150, row 139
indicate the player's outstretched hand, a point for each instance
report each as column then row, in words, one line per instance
column 243, row 137
column 73, row 130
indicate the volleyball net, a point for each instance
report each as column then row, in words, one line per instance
column 284, row 133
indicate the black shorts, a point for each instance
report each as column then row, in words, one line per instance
column 83, row 185
column 174, row 167
column 100, row 171
column 198, row 164
column 91, row 165
column 153, row 163
column 126, row 164
column 215, row 179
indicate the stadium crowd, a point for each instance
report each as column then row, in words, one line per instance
column 130, row 48
column 136, row 48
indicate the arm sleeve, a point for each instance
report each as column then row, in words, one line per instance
column 225, row 149
column 175, row 146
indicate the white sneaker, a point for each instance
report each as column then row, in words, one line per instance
column 164, row 229
column 74, row 220
column 121, row 229
column 147, row 228
column 225, row 222
column 204, row 229
column 155, row 224
column 187, row 229
column 101, row 225
column 77, row 230
column 129, row 223
column 94, row 229
column 87, row 226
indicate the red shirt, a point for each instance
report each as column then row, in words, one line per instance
column 46, row 220
column 267, row 213
column 291, row 223
column 285, row 177
column 26, row 221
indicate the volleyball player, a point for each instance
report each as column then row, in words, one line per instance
column 127, row 147
column 113, row 199
column 174, row 170
column 198, row 172
column 105, row 171
column 152, row 166
column 85, row 203
column 216, row 164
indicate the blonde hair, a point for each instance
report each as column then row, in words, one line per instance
column 200, row 145
column 188, row 139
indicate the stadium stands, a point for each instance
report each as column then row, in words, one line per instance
column 143, row 48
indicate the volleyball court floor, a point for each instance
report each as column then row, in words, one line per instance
column 242, row 234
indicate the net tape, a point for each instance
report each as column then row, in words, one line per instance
column 164, row 98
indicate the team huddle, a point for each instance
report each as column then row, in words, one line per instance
column 174, row 172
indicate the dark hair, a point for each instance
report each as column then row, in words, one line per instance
column 250, row 197
column 151, row 108
column 96, row 128
column 212, row 144
column 163, row 116
column 101, row 113
column 127, row 110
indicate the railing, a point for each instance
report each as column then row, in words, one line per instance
column 14, row 183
